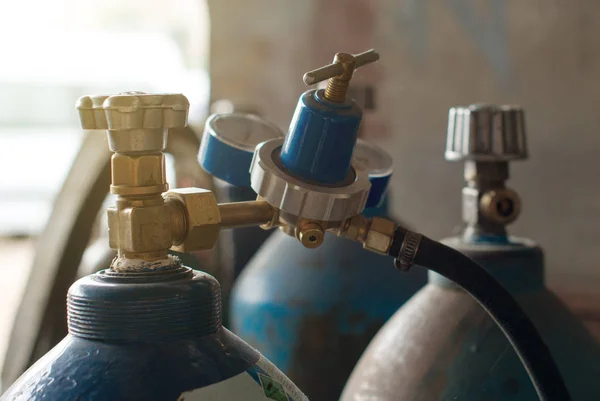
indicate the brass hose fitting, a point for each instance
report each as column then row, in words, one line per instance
column 376, row 234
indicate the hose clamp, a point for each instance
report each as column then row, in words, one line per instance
column 408, row 251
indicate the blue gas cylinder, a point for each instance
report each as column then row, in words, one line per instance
column 152, row 335
column 313, row 311
column 467, row 357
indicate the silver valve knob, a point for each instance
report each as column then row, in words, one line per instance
column 482, row 132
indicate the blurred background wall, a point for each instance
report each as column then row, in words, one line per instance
column 435, row 54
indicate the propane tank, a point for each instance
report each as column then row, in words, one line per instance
column 467, row 357
column 226, row 152
column 315, row 310
column 149, row 328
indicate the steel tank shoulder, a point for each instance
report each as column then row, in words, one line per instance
column 154, row 336
column 441, row 345
column 313, row 311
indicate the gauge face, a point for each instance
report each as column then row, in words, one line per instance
column 242, row 131
column 372, row 158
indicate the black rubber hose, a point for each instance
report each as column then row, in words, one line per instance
column 497, row 302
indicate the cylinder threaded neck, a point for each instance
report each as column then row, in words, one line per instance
column 171, row 304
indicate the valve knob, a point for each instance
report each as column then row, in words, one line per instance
column 378, row 164
column 137, row 125
column 340, row 73
column 228, row 145
column 483, row 132
column 136, row 121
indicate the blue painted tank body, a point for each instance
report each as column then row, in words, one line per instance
column 466, row 355
column 319, row 144
column 148, row 336
column 313, row 311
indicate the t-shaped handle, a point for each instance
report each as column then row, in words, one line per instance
column 340, row 73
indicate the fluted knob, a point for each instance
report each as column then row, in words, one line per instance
column 136, row 121
column 483, row 132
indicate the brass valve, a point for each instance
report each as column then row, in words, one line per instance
column 340, row 73
column 140, row 226
column 146, row 223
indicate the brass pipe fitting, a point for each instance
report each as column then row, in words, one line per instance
column 195, row 219
column 310, row 234
column 246, row 214
column 376, row 234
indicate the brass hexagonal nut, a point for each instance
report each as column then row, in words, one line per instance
column 380, row 235
column 138, row 170
column 139, row 229
column 202, row 221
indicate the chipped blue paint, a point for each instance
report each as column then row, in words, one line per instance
column 138, row 337
column 486, row 366
column 442, row 346
column 313, row 311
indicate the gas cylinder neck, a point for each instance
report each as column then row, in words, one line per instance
column 517, row 263
column 166, row 304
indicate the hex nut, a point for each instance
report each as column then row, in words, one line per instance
column 202, row 218
column 380, row 235
column 139, row 229
column 138, row 170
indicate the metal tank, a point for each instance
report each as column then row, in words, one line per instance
column 313, row 311
column 147, row 327
column 466, row 356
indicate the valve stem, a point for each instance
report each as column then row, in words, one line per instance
column 337, row 87
column 340, row 73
